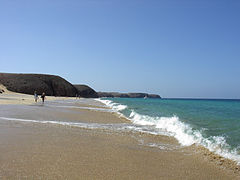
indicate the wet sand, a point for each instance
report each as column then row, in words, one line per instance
column 54, row 152
column 32, row 150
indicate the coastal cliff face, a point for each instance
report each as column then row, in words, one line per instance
column 127, row 95
column 57, row 86
column 85, row 91
column 28, row 83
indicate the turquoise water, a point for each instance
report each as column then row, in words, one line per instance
column 214, row 124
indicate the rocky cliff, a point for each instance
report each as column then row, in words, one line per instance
column 127, row 95
column 56, row 86
column 86, row 91
column 28, row 83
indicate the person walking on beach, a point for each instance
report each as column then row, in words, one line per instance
column 43, row 97
column 35, row 96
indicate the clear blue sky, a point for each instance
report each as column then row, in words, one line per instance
column 174, row 48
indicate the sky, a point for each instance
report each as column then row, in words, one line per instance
column 185, row 49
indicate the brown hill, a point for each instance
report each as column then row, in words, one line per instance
column 56, row 86
column 127, row 95
column 86, row 91
column 28, row 83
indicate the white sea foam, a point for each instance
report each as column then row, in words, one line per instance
column 125, row 127
column 115, row 106
column 122, row 126
column 82, row 107
column 183, row 132
column 82, row 125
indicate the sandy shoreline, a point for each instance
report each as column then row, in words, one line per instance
column 8, row 97
column 53, row 151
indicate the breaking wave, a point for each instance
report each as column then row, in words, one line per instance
column 183, row 132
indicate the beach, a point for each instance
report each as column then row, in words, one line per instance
column 69, row 138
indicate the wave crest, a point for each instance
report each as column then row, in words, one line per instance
column 183, row 132
column 114, row 106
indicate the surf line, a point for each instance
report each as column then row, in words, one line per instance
column 63, row 123
column 71, row 124
column 87, row 108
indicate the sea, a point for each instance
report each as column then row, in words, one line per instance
column 211, row 123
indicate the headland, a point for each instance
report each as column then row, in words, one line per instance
column 69, row 138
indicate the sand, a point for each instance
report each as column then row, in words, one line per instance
column 8, row 97
column 53, row 151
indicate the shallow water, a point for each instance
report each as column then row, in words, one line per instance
column 214, row 124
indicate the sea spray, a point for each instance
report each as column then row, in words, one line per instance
column 115, row 106
column 173, row 126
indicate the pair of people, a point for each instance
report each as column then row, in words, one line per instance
column 36, row 96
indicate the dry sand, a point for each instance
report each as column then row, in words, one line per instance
column 48, row 151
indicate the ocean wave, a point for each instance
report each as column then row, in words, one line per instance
column 114, row 106
column 183, row 132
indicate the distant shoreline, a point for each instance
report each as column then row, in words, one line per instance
column 53, row 85
column 211, row 99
